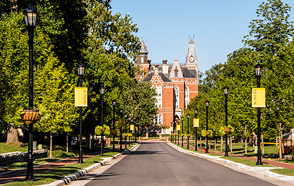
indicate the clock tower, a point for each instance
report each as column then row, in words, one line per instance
column 191, row 58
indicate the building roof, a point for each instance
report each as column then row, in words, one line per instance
column 189, row 73
column 150, row 75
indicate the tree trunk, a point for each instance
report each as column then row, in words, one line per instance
column 222, row 140
column 215, row 144
column 200, row 142
column 262, row 143
column 231, row 143
column 50, row 153
column 67, row 142
column 280, row 140
column 12, row 136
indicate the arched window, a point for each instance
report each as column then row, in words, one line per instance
column 177, row 92
column 186, row 96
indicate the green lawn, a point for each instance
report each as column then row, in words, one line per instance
column 5, row 148
column 287, row 172
column 245, row 162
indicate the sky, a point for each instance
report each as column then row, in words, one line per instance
column 218, row 27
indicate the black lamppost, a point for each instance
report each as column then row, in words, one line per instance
column 30, row 17
column 226, row 92
column 113, row 126
column 102, row 92
column 129, row 131
column 258, row 72
column 125, row 131
column 207, row 105
column 81, row 72
column 178, row 131
column 120, row 128
column 182, row 130
column 188, row 135
column 172, row 131
column 196, row 112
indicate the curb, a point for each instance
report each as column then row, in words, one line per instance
column 72, row 177
column 261, row 170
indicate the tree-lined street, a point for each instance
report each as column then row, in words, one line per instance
column 155, row 163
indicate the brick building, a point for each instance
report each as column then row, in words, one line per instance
column 175, row 84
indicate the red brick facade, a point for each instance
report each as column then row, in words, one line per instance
column 175, row 84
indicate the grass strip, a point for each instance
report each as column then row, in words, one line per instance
column 60, row 172
column 245, row 161
column 287, row 172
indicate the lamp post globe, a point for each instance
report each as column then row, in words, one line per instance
column 226, row 92
column 30, row 18
column 258, row 73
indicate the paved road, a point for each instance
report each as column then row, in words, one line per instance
column 159, row 164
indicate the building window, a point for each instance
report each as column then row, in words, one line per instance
column 158, row 119
column 186, row 96
column 176, row 73
column 177, row 97
column 158, row 90
column 142, row 58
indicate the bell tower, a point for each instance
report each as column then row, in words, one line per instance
column 143, row 62
column 191, row 58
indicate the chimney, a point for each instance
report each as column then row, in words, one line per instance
column 164, row 62
column 156, row 69
column 164, row 67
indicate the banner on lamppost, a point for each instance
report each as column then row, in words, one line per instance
column 132, row 127
column 195, row 122
column 178, row 127
column 171, row 128
column 258, row 97
column 81, row 96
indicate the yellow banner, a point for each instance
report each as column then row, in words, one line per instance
column 81, row 96
column 171, row 128
column 258, row 97
column 195, row 122
column 132, row 127
column 178, row 127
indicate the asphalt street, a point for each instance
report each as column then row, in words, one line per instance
column 159, row 164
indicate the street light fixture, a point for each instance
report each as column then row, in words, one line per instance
column 196, row 145
column 258, row 73
column 206, row 137
column 226, row 92
column 188, row 135
column 102, row 92
column 81, row 72
column 182, row 130
column 30, row 17
column 113, row 126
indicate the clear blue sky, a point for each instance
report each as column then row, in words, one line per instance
column 165, row 25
